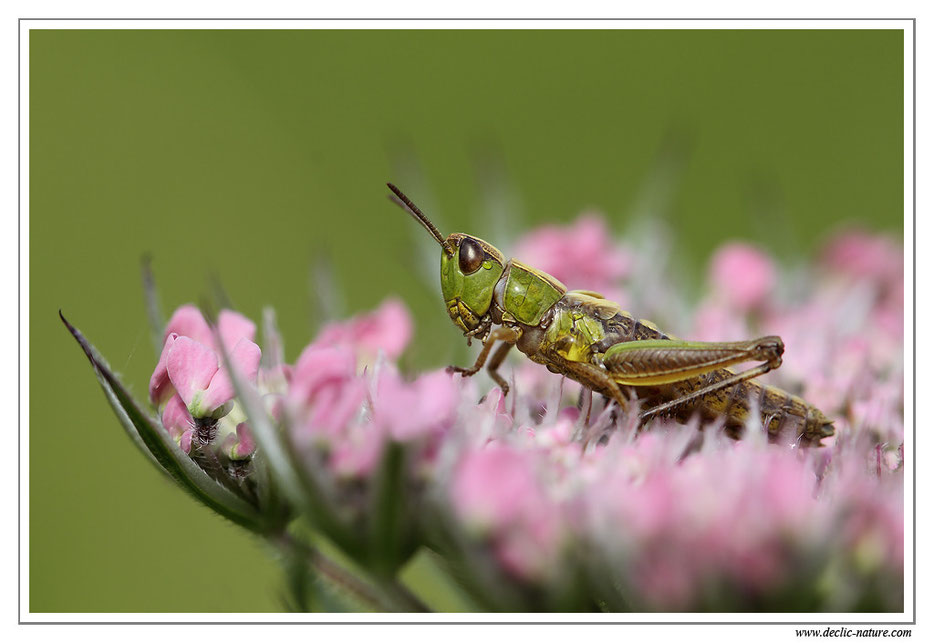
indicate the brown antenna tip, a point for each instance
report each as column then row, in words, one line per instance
column 406, row 204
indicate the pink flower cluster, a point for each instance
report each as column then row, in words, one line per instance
column 843, row 333
column 529, row 493
column 498, row 493
column 324, row 392
column 347, row 398
column 742, row 518
column 736, row 519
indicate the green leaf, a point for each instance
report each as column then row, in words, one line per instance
column 161, row 448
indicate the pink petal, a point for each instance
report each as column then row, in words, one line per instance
column 247, row 443
column 175, row 417
column 411, row 410
column 317, row 366
column 191, row 365
column 356, row 459
column 334, row 406
column 581, row 255
column 241, row 445
column 185, row 441
column 325, row 392
column 188, row 321
column 178, row 422
column 232, row 327
column 743, row 274
column 245, row 357
column 529, row 552
column 494, row 486
column 160, row 387
column 715, row 322
column 864, row 255
column 387, row 329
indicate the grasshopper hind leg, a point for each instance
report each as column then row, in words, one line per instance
column 675, row 362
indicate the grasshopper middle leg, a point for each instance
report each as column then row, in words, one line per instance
column 493, row 367
column 591, row 376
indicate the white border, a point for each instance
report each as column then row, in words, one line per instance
column 909, row 347
column 450, row 24
column 24, row 320
column 822, row 619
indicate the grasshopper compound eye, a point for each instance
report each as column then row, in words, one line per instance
column 470, row 256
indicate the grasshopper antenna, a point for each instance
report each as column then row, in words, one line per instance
column 406, row 204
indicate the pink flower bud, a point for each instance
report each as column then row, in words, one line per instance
column 187, row 321
column 742, row 274
column 387, row 329
column 411, row 410
column 495, row 485
column 239, row 445
column 581, row 255
column 232, row 327
column 865, row 256
column 325, row 392
column 195, row 373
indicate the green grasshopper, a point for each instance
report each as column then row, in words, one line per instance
column 583, row 336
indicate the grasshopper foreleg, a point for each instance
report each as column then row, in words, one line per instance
column 483, row 330
column 507, row 335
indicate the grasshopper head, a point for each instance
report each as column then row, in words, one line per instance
column 470, row 268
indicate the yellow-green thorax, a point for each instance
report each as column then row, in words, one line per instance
column 578, row 325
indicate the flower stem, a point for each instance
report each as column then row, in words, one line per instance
column 388, row 596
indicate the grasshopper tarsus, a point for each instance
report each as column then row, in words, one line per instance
column 463, row 371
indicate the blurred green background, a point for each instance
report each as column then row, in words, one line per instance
column 254, row 155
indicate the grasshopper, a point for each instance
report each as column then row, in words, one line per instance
column 589, row 339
